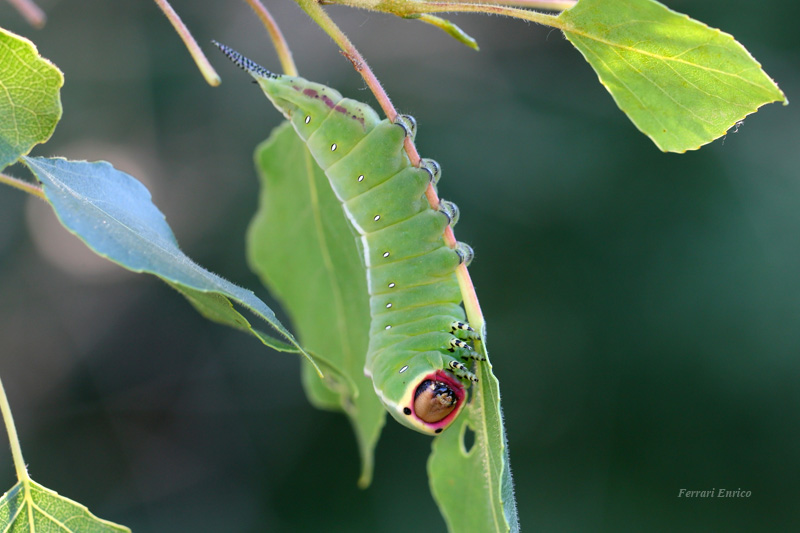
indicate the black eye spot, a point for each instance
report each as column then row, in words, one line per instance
column 406, row 411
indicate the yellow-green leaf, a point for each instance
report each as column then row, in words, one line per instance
column 682, row 83
column 30, row 98
column 30, row 507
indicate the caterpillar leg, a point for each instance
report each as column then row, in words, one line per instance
column 464, row 349
column 450, row 210
column 408, row 123
column 461, row 371
column 432, row 168
column 464, row 331
column 465, row 252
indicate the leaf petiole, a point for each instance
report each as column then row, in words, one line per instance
column 281, row 46
column 30, row 11
column 22, row 185
column 200, row 59
column 13, row 439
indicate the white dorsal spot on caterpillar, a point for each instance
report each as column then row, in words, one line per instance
column 333, row 147
column 388, row 306
column 308, row 119
column 361, row 178
column 388, row 327
column 376, row 218
column 392, row 285
column 385, row 254
column 403, row 369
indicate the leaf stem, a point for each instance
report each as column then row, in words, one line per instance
column 411, row 7
column 13, row 439
column 320, row 16
column 208, row 72
column 550, row 5
column 23, row 185
column 281, row 46
column 30, row 12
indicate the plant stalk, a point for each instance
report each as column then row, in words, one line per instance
column 200, row 59
column 275, row 34
column 413, row 7
column 13, row 439
column 30, row 12
column 23, row 185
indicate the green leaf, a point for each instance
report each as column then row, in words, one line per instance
column 30, row 98
column 113, row 214
column 473, row 487
column 302, row 246
column 31, row 507
column 448, row 27
column 682, row 83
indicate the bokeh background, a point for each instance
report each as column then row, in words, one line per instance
column 643, row 308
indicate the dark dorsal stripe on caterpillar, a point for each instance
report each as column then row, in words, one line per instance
column 418, row 332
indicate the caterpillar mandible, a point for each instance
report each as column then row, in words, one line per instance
column 418, row 332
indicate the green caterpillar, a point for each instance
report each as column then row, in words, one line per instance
column 418, row 331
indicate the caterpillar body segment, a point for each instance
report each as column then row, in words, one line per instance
column 418, row 333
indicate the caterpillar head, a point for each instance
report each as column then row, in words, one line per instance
column 431, row 402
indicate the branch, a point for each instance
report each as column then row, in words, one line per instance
column 281, row 46
column 208, row 72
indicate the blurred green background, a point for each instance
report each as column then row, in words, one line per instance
column 643, row 308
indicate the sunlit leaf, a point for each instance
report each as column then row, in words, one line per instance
column 472, row 485
column 30, row 101
column 113, row 214
column 301, row 245
column 30, row 507
column 682, row 83
column 448, row 27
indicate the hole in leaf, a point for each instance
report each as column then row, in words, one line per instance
column 467, row 439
